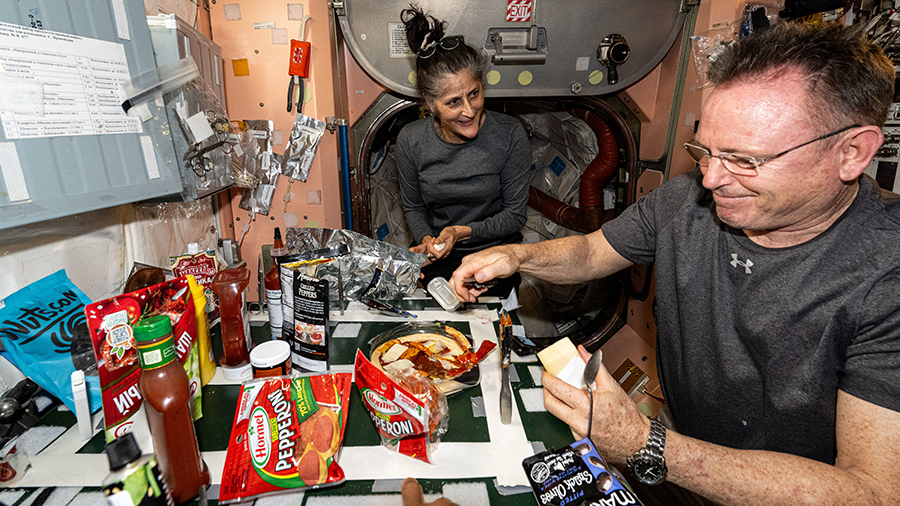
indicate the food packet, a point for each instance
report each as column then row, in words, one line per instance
column 286, row 436
column 373, row 269
column 301, row 148
column 410, row 414
column 13, row 463
column 305, row 305
column 575, row 475
column 110, row 323
column 44, row 330
column 252, row 152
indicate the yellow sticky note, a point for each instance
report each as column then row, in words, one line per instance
column 241, row 67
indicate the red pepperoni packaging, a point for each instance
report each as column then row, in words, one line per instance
column 409, row 412
column 286, row 436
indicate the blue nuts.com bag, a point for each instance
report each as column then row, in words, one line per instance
column 44, row 329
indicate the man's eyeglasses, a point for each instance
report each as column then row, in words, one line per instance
column 743, row 165
column 447, row 44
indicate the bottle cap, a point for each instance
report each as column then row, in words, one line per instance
column 238, row 372
column 122, row 451
column 234, row 276
column 150, row 328
column 193, row 248
column 278, row 252
column 270, row 353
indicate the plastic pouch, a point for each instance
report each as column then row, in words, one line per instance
column 410, row 413
column 706, row 47
column 259, row 199
column 252, row 154
column 286, row 436
column 202, row 135
column 44, row 330
column 158, row 81
column 373, row 269
column 302, row 146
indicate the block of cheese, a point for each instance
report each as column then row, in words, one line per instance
column 556, row 356
column 561, row 359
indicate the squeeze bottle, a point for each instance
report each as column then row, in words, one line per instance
column 231, row 287
column 207, row 361
column 273, row 288
column 166, row 391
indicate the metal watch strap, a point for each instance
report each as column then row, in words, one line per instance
column 651, row 452
column 656, row 442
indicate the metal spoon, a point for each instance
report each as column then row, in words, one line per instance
column 590, row 373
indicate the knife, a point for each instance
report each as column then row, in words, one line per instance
column 384, row 306
column 505, row 348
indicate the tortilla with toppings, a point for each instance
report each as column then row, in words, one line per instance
column 436, row 356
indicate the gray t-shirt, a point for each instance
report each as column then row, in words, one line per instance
column 753, row 342
column 482, row 183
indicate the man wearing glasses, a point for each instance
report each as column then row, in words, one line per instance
column 778, row 286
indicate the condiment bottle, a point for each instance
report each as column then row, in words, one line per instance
column 133, row 479
column 273, row 288
column 166, row 391
column 231, row 287
column 207, row 360
column 271, row 358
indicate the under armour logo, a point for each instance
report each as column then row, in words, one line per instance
column 746, row 265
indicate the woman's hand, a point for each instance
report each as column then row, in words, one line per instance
column 423, row 249
column 443, row 244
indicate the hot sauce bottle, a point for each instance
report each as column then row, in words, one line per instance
column 273, row 288
column 166, row 391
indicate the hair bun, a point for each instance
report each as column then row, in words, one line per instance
column 421, row 27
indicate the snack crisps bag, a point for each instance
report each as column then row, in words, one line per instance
column 286, row 436
column 43, row 328
column 110, row 323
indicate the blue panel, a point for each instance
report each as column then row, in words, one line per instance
column 382, row 231
column 557, row 165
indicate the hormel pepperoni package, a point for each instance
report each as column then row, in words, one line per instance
column 110, row 323
column 286, row 436
column 409, row 412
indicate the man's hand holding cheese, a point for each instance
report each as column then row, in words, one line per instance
column 619, row 429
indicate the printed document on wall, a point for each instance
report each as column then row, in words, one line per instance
column 81, row 79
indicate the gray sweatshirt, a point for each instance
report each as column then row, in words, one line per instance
column 482, row 183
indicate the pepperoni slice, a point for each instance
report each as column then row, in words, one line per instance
column 323, row 434
column 311, row 468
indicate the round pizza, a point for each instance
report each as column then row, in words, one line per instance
column 438, row 356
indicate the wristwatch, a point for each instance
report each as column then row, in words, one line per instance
column 648, row 465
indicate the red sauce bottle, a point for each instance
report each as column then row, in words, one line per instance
column 273, row 288
column 166, row 391
column 231, row 287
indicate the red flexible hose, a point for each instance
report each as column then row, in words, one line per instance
column 591, row 214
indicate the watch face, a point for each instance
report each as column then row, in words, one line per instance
column 648, row 470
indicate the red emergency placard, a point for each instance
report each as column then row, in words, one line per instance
column 518, row 10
